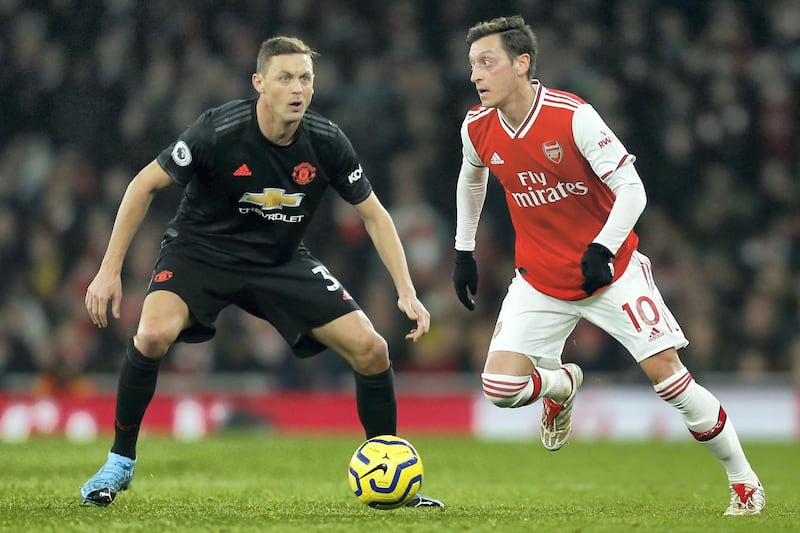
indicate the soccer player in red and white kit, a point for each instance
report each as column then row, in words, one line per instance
column 574, row 196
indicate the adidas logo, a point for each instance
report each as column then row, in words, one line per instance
column 655, row 333
column 496, row 159
column 243, row 170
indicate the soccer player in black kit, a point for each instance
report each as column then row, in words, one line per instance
column 253, row 173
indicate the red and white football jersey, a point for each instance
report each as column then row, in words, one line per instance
column 552, row 169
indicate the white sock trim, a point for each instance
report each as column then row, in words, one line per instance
column 509, row 391
column 675, row 385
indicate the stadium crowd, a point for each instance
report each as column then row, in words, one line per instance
column 705, row 94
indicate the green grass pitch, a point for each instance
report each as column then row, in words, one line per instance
column 264, row 482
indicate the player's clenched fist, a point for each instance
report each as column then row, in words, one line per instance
column 597, row 268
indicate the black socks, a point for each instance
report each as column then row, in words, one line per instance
column 137, row 384
column 375, row 400
column 376, row 403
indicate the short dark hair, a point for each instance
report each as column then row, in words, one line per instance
column 281, row 45
column 517, row 37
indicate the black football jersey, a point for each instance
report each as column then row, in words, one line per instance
column 247, row 200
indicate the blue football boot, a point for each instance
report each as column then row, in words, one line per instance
column 113, row 477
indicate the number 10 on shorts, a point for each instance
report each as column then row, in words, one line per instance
column 644, row 310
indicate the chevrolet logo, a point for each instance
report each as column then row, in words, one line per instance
column 272, row 199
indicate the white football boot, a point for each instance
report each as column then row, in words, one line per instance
column 746, row 499
column 556, row 426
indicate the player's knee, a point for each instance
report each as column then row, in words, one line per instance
column 370, row 354
column 153, row 338
column 662, row 366
column 509, row 391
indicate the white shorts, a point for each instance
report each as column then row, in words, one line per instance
column 631, row 310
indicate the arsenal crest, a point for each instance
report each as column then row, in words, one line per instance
column 553, row 151
column 304, row 173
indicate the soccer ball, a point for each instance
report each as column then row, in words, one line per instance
column 385, row 472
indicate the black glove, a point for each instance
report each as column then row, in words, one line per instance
column 465, row 275
column 596, row 267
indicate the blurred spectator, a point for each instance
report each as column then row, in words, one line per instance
column 705, row 94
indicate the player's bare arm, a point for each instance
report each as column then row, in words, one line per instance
column 107, row 284
column 383, row 233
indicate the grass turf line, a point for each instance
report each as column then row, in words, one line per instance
column 258, row 481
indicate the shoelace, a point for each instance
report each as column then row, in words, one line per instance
column 747, row 502
column 112, row 473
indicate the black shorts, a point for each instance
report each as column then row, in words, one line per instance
column 294, row 297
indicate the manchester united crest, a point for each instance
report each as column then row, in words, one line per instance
column 304, row 173
column 164, row 275
column 553, row 151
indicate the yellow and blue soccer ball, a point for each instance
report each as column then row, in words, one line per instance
column 385, row 472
